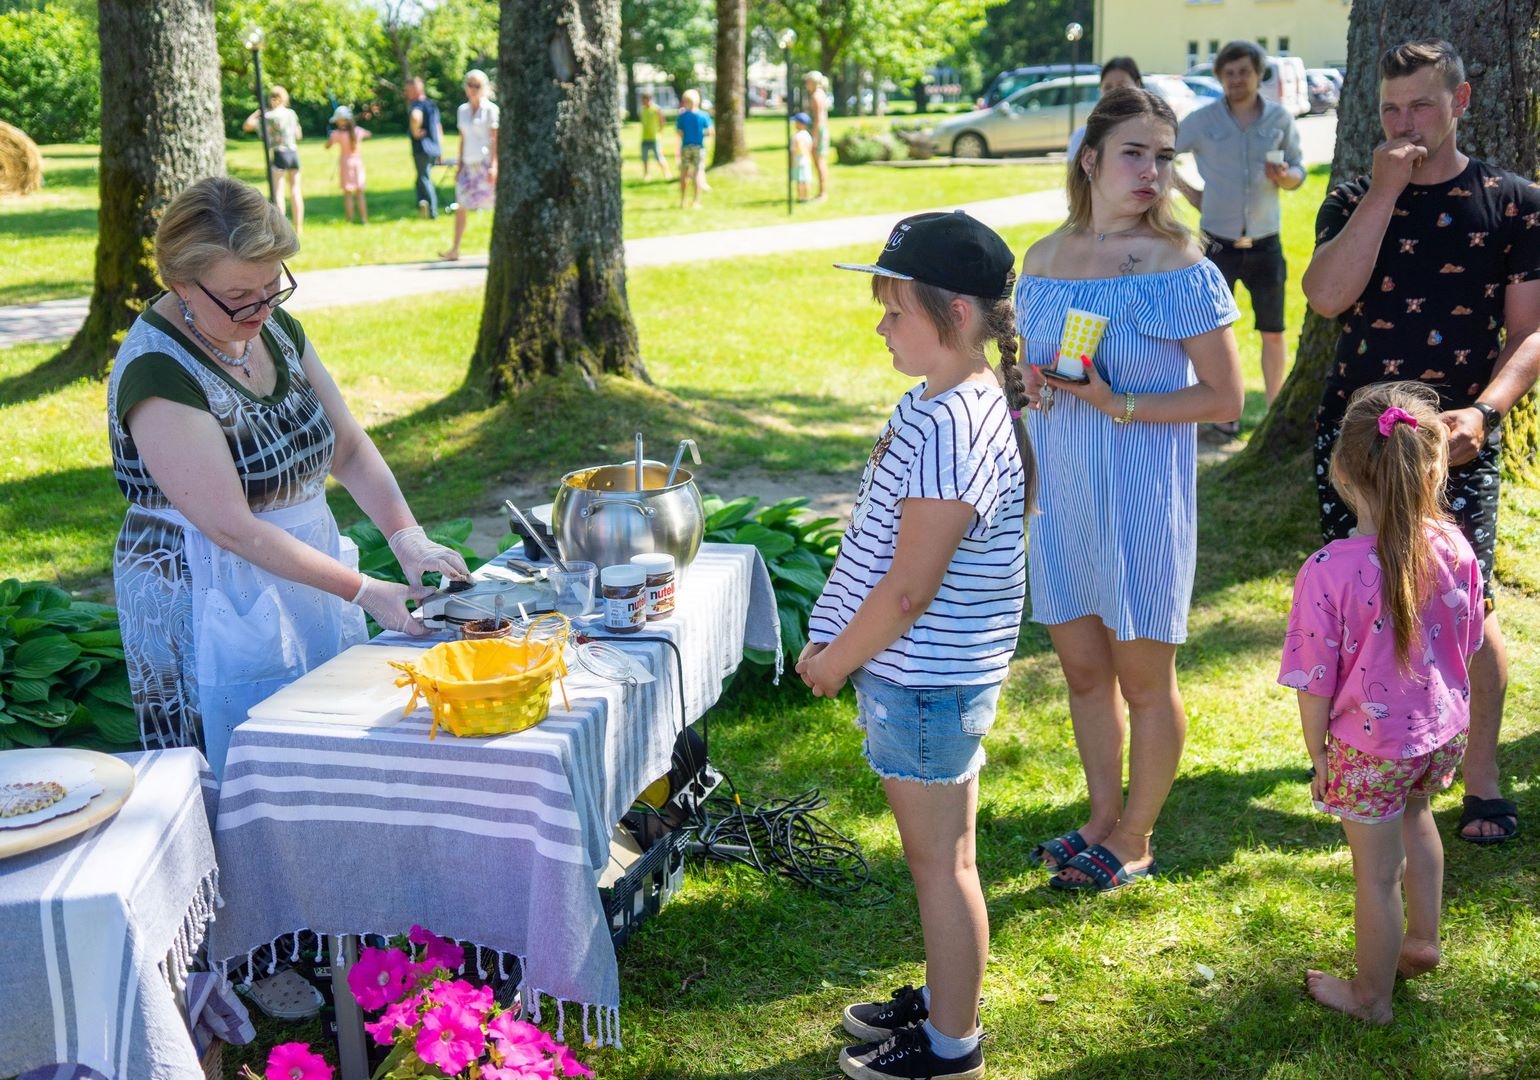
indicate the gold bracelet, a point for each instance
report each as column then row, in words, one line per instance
column 1128, row 409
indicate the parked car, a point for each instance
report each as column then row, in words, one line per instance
column 1323, row 92
column 1177, row 93
column 1283, row 81
column 1007, row 83
column 1034, row 118
column 1205, row 86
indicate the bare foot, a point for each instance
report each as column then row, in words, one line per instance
column 1417, row 958
column 1339, row 994
column 449, row 256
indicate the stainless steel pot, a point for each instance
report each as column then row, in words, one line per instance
column 601, row 517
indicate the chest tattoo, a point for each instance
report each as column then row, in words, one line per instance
column 1129, row 263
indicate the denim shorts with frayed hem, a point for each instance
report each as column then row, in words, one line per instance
column 934, row 736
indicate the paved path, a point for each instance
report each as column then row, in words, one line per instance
column 57, row 319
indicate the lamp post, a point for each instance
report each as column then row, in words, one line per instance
column 254, row 40
column 1073, row 33
column 786, row 39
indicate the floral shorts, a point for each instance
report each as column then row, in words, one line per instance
column 1362, row 787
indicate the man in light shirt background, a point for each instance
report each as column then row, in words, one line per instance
column 1246, row 148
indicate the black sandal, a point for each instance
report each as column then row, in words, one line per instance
column 1503, row 813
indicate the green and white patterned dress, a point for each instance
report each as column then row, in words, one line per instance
column 207, row 634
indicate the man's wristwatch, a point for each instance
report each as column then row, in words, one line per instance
column 1491, row 419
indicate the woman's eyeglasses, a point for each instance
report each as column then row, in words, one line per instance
column 246, row 311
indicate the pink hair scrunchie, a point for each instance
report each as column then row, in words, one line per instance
column 1393, row 416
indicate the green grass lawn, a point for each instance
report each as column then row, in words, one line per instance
column 48, row 240
column 772, row 365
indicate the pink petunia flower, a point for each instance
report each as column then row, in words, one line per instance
column 460, row 993
column 437, row 951
column 295, row 1061
column 570, row 1065
column 379, row 978
column 451, row 1038
column 401, row 1016
column 508, row 1028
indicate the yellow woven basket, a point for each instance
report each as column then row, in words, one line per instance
column 492, row 686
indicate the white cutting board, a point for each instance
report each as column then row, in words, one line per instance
column 356, row 688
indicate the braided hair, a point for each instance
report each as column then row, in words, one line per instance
column 998, row 318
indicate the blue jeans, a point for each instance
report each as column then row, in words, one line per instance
column 933, row 735
column 425, row 190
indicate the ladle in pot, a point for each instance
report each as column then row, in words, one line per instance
column 641, row 484
column 678, row 457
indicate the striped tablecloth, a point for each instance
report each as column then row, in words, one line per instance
column 98, row 930
column 493, row 841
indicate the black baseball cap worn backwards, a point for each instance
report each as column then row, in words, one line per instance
column 949, row 250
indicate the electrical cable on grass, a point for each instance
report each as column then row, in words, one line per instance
column 786, row 837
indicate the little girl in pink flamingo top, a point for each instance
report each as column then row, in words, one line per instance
column 1382, row 628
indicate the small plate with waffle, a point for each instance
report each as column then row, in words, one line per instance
column 49, row 794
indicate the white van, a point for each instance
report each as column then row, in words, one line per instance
column 1283, row 81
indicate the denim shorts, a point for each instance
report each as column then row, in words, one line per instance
column 935, row 736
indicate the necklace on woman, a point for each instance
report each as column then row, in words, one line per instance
column 1101, row 236
column 243, row 361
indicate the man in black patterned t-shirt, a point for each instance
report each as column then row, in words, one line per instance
column 1432, row 266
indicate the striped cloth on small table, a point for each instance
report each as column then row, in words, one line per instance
column 494, row 841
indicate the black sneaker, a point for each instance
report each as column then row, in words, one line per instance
column 908, row 1056
column 876, row 1021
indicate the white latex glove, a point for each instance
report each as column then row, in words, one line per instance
column 418, row 556
column 386, row 602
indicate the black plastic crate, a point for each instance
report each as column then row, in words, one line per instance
column 646, row 886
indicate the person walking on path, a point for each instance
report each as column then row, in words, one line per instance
column 1246, row 149
column 348, row 138
column 1113, row 550
column 921, row 613
column 1432, row 266
column 694, row 127
column 1380, row 637
column 427, row 132
column 652, row 123
column 476, row 174
column 817, row 87
column 283, row 136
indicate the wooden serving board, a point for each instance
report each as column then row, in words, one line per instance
column 116, row 777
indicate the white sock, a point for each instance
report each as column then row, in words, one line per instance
column 925, row 993
column 944, row 1046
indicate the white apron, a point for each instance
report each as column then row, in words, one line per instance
column 254, row 632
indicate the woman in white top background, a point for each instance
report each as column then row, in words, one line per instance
column 476, row 174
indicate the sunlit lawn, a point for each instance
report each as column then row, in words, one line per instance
column 742, row 977
column 48, row 240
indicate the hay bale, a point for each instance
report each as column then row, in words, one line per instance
column 21, row 165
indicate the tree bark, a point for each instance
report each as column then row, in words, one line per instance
column 1498, row 42
column 161, row 130
column 732, row 142
column 556, row 280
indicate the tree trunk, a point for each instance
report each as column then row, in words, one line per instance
column 556, row 280
column 1498, row 43
column 732, row 142
column 161, row 130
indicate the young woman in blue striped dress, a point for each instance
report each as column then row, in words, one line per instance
column 1111, row 554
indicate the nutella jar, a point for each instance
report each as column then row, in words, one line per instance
column 660, row 583
column 623, row 589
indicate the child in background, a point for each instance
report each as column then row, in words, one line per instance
column 693, row 126
column 1380, row 635
column 802, row 154
column 652, row 123
column 921, row 614
column 346, row 136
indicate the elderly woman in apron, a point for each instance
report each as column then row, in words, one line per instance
column 224, row 427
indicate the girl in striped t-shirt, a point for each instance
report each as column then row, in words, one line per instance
column 922, row 610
